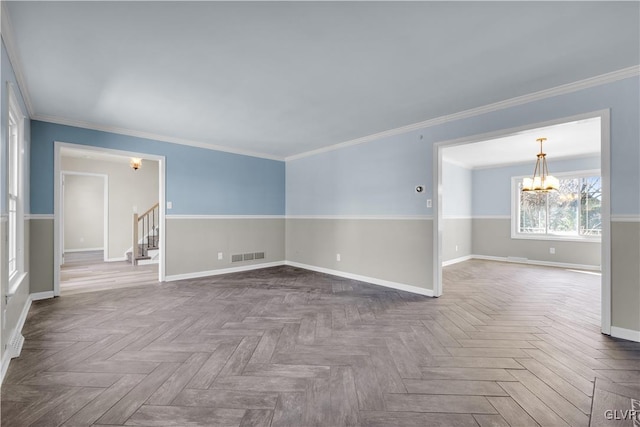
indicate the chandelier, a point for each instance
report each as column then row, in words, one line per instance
column 541, row 180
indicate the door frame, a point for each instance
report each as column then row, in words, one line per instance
column 605, row 171
column 105, row 227
column 57, row 146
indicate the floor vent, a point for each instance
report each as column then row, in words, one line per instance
column 15, row 346
column 259, row 255
column 236, row 258
column 248, row 257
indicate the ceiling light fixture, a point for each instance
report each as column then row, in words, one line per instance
column 541, row 180
column 135, row 163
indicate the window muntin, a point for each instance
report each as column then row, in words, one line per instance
column 13, row 169
column 571, row 212
column 15, row 208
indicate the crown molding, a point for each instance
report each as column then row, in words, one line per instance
column 7, row 36
column 152, row 136
column 519, row 100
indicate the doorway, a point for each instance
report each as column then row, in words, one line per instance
column 126, row 192
column 84, row 214
column 443, row 249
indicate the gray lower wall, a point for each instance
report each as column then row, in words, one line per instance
column 41, row 255
column 193, row 244
column 394, row 250
column 625, row 275
column 456, row 238
column 492, row 237
column 13, row 306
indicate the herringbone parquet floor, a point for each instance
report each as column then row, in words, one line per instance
column 507, row 344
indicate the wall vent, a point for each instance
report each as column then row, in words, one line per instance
column 236, row 258
column 248, row 257
column 259, row 255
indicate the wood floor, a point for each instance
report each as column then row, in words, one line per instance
column 507, row 344
column 86, row 272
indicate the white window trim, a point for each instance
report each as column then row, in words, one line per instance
column 14, row 109
column 515, row 210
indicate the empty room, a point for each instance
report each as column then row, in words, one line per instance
column 320, row 213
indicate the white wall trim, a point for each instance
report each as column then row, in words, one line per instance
column 37, row 296
column 83, row 250
column 372, row 280
column 363, row 217
column 625, row 334
column 457, row 260
column 198, row 274
column 116, row 259
column 625, row 218
column 16, row 336
column 518, row 260
column 38, row 216
column 225, row 216
column 491, row 217
column 520, row 100
column 152, row 136
column 457, row 217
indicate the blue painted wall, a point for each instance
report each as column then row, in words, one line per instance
column 378, row 178
column 457, row 187
column 199, row 181
column 371, row 179
column 492, row 186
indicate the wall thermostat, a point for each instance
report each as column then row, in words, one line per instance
column 419, row 188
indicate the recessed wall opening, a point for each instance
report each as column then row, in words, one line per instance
column 483, row 214
column 109, row 225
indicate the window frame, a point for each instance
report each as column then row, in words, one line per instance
column 15, row 184
column 515, row 209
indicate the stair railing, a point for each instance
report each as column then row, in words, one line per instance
column 145, row 225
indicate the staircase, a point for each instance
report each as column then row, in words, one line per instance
column 145, row 247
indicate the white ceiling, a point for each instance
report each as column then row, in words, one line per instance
column 566, row 140
column 282, row 78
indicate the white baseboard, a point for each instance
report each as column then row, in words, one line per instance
column 372, row 280
column 199, row 274
column 456, row 260
column 37, row 296
column 70, row 251
column 625, row 334
column 122, row 258
column 17, row 338
column 536, row 262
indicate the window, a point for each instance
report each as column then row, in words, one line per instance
column 572, row 212
column 15, row 208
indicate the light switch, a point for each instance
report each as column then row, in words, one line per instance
column 169, row 205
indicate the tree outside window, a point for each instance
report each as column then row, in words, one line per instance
column 571, row 211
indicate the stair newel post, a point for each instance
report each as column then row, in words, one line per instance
column 145, row 221
column 153, row 227
column 134, row 251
